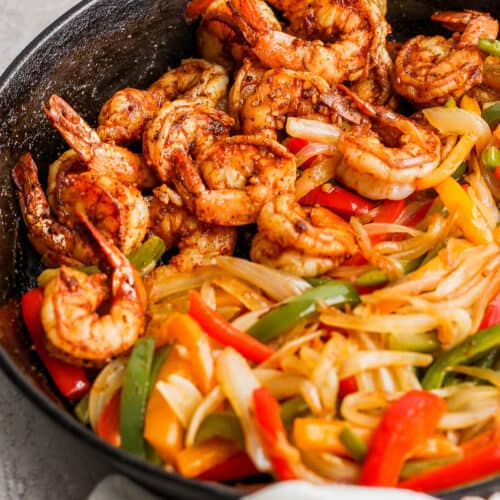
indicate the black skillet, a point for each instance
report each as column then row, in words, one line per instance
column 95, row 49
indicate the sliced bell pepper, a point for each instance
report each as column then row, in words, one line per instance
column 497, row 172
column 267, row 414
column 81, row 410
column 489, row 46
column 491, row 157
column 492, row 314
column 478, row 442
column 470, row 348
column 187, row 332
column 221, row 330
column 376, row 277
column 353, row 443
column 222, row 424
column 450, row 103
column 158, row 361
column 338, row 199
column 292, row 409
column 481, row 464
column 470, row 104
column 278, row 321
column 162, row 429
column 469, row 219
column 407, row 422
column 294, row 145
column 200, row 458
column 108, row 425
column 416, row 467
column 347, row 386
column 491, row 115
column 417, row 342
column 70, row 380
column 135, row 392
column 237, row 467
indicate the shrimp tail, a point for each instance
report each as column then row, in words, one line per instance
column 248, row 21
column 196, row 8
column 75, row 130
column 455, row 21
column 336, row 102
column 113, row 257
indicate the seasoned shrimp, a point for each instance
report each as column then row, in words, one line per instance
column 314, row 230
column 385, row 161
column 56, row 243
column 100, row 157
column 232, row 179
column 429, row 70
column 283, row 93
column 182, row 126
column 74, row 329
column 198, row 243
column 353, row 32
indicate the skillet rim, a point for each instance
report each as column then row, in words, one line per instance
column 68, row 421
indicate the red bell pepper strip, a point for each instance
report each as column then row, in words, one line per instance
column 492, row 314
column 347, row 386
column 408, row 421
column 497, row 172
column 419, row 215
column 295, row 144
column 71, row 381
column 108, row 424
column 221, row 330
column 471, row 468
column 272, row 431
column 388, row 212
column 237, row 467
column 339, row 200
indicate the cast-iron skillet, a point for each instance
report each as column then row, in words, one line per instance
column 95, row 49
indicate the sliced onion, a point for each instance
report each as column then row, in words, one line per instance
column 317, row 175
column 212, row 401
column 333, row 468
column 277, row 284
column 245, row 294
column 467, row 418
column 362, row 361
column 461, row 122
column 109, row 380
column 355, row 405
column 315, row 149
column 487, row 374
column 313, row 130
column 386, row 227
column 238, row 382
column 282, row 385
column 181, row 395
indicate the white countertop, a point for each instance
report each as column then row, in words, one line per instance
column 38, row 460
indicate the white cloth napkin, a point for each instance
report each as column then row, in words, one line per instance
column 117, row 487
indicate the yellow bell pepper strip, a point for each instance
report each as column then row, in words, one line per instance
column 135, row 392
column 450, row 103
column 320, row 434
column 225, row 333
column 183, row 329
column 162, row 429
column 470, row 104
column 496, row 133
column 469, row 349
column 457, row 155
column 407, row 422
column 197, row 459
column 470, row 220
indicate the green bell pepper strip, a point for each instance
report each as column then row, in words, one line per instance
column 278, row 321
column 223, row 424
column 418, row 342
column 134, row 396
column 490, row 46
column 461, row 169
column 491, row 115
column 293, row 408
column 491, row 157
column 353, row 443
column 81, row 410
column 469, row 349
column 376, row 277
column 314, row 282
column 144, row 259
column 158, row 360
column 450, row 103
column 415, row 467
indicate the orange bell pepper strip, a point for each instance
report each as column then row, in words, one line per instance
column 434, row 447
column 222, row 331
column 471, row 446
column 456, row 199
column 108, row 424
column 406, row 423
column 470, row 104
column 200, row 458
column 187, row 332
column 162, row 428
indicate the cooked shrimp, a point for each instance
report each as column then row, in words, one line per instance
column 100, row 157
column 56, row 243
column 283, row 93
column 123, row 117
column 385, row 161
column 183, row 125
column 198, row 243
column 313, row 231
column 289, row 260
column 74, row 328
column 232, row 179
column 353, row 34
column 429, row 70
